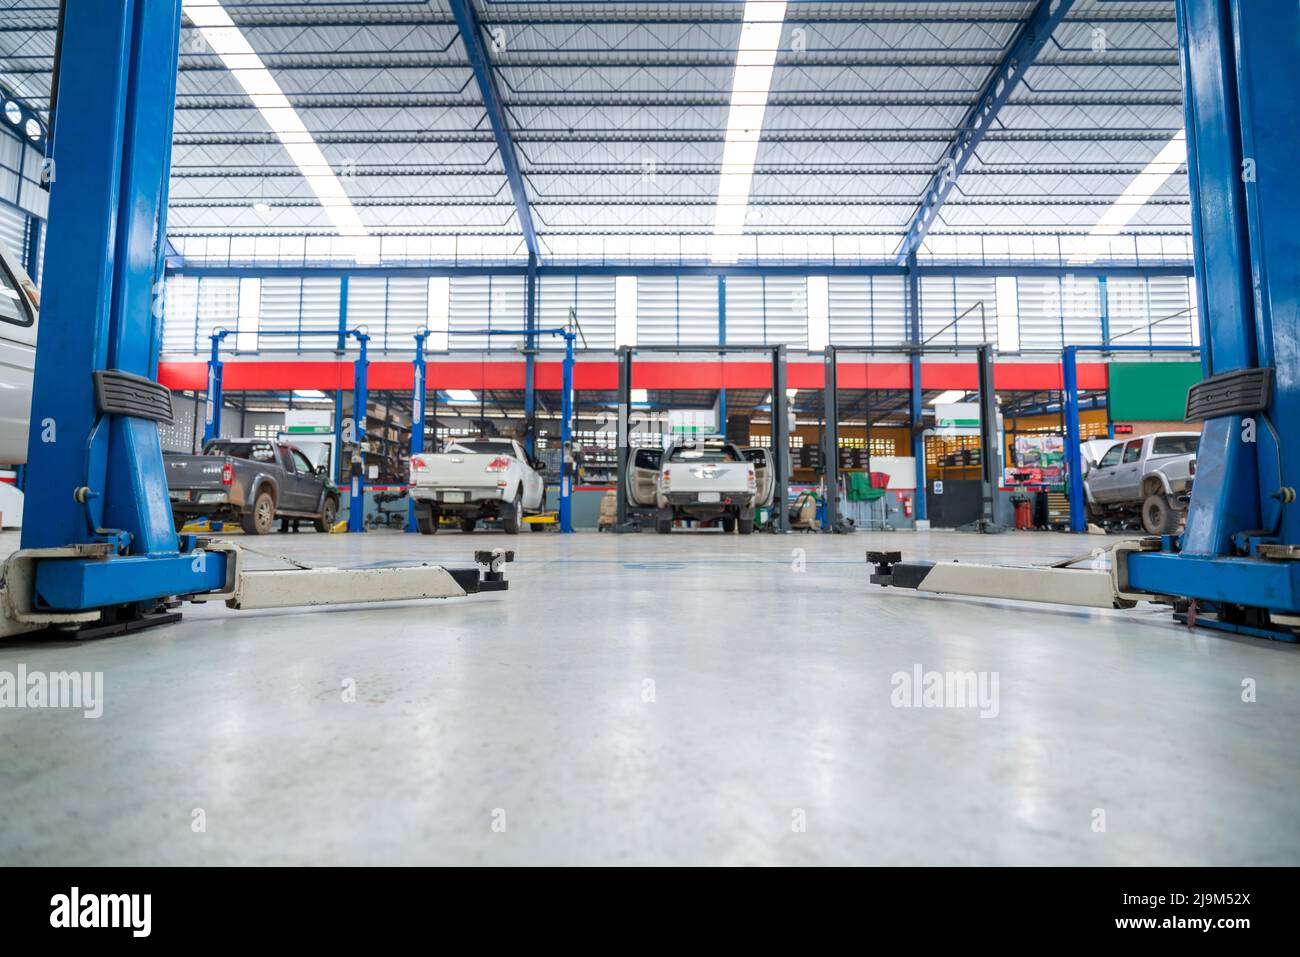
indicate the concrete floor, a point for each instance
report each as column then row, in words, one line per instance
column 772, row 697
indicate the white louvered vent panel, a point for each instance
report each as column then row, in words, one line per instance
column 745, row 310
column 656, row 311
column 507, row 309
column 1128, row 308
column 1039, row 302
column 408, row 311
column 180, row 314
column 593, row 301
column 13, row 230
column 367, row 305
column 218, row 308
column 850, row 310
column 977, row 305
column 697, row 315
column 320, row 311
column 938, row 309
column 279, row 311
column 468, row 310
column 1171, row 311
column 1081, row 310
column 888, row 311
column 786, row 311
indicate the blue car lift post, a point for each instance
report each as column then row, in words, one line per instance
column 99, row 553
column 566, row 409
column 212, row 407
column 1236, row 567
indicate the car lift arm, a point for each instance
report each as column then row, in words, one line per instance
column 99, row 548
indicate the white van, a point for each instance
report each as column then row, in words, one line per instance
column 19, row 316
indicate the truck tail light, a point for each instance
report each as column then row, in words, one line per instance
column 498, row 464
column 418, row 464
column 750, row 481
column 227, row 473
column 666, row 479
column 1192, row 467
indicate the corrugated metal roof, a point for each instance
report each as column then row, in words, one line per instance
column 618, row 111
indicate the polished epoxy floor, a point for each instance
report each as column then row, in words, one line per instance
column 639, row 699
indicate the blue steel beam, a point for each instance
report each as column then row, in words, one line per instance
column 472, row 37
column 1025, row 46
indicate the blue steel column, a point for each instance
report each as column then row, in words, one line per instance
column 914, row 336
column 212, row 406
column 566, row 435
column 530, row 359
column 417, row 417
column 722, row 341
column 357, row 493
column 1073, row 460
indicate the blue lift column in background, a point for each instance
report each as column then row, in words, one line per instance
column 95, row 466
column 420, row 369
column 1239, row 558
column 360, row 399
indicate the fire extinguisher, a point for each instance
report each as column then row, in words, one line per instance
column 907, row 505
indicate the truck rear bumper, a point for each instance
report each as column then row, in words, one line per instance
column 458, row 499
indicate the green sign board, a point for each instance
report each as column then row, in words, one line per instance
column 1150, row 391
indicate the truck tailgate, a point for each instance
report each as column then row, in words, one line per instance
column 726, row 477
column 455, row 470
column 194, row 471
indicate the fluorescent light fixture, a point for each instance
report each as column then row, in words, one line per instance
column 228, row 42
column 760, row 37
column 309, row 394
column 1136, row 195
column 640, row 395
column 789, row 395
column 948, row 398
column 461, row 395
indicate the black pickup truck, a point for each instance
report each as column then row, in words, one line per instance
column 252, row 481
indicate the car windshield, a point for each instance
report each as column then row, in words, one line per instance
column 1175, row 445
column 688, row 454
column 254, row 451
column 485, row 448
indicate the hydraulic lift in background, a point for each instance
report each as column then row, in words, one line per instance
column 1236, row 567
column 357, row 470
column 629, row 516
column 990, row 453
column 99, row 551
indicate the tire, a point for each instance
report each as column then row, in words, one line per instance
column 746, row 526
column 261, row 516
column 536, row 527
column 426, row 520
column 179, row 521
column 728, row 524
column 1158, row 516
column 663, row 525
column 515, row 517
column 328, row 514
column 468, row 524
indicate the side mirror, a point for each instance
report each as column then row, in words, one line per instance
column 539, row 465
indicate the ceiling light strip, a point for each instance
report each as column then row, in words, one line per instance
column 760, row 38
column 227, row 41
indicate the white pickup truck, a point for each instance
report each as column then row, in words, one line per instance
column 1150, row 476
column 476, row 479
column 707, row 482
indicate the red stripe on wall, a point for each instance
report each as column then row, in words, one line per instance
column 328, row 376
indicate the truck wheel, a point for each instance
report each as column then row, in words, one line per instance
column 426, row 520
column 746, row 526
column 179, row 520
column 515, row 517
column 663, row 525
column 1158, row 516
column 328, row 513
column 728, row 523
column 467, row 524
column 261, row 517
